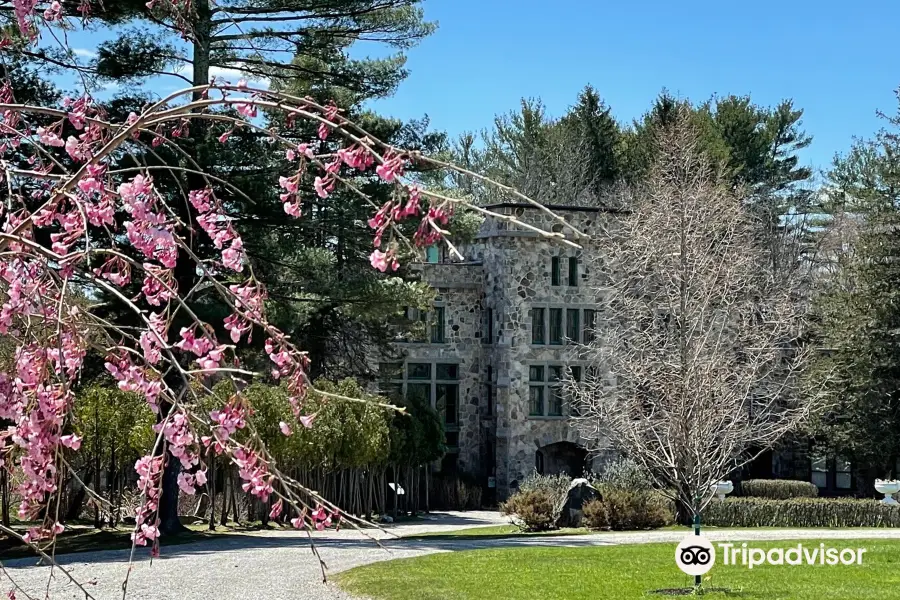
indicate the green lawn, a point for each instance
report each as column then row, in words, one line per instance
column 496, row 531
column 620, row 572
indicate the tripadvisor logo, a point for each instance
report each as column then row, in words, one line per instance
column 750, row 557
column 695, row 555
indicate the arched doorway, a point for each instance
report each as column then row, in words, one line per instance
column 561, row 457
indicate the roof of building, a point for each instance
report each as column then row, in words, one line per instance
column 554, row 207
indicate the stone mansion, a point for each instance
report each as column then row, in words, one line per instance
column 498, row 339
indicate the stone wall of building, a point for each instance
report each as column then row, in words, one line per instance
column 517, row 271
column 508, row 273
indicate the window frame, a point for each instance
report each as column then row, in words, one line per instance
column 557, row 323
column 555, row 271
column 541, row 375
column 546, row 311
column 432, row 382
column 535, row 339
column 573, row 271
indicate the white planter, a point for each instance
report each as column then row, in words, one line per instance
column 888, row 487
column 721, row 488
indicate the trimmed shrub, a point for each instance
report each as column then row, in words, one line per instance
column 800, row 512
column 595, row 516
column 534, row 508
column 621, row 510
column 778, row 489
column 628, row 500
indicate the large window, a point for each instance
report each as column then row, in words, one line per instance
column 545, row 393
column 565, row 325
column 819, row 471
column 438, row 326
column 556, row 326
column 538, row 329
column 573, row 331
column 830, row 472
column 843, row 474
column 536, row 378
column 556, row 271
column 590, row 321
column 434, row 383
column 573, row 271
column 433, row 324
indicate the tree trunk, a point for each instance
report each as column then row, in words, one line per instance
column 202, row 29
column 4, row 492
column 211, row 488
column 169, row 522
column 225, row 483
column 396, row 489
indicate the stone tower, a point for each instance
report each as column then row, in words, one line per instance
column 501, row 335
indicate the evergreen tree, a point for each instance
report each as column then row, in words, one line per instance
column 858, row 311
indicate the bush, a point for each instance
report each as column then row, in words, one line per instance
column 621, row 510
column 534, row 508
column 595, row 515
column 555, row 485
column 628, row 500
column 800, row 512
column 778, row 489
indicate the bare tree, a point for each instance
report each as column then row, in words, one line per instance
column 697, row 348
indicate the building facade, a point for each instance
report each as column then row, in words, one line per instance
column 502, row 334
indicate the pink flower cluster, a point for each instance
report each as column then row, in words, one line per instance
column 291, row 201
column 26, row 290
column 255, row 473
column 320, row 519
column 149, row 470
column 176, row 430
column 428, row 232
column 148, row 230
column 116, row 270
column 248, row 300
column 132, row 378
column 218, row 227
column 225, row 423
column 205, row 347
column 290, row 366
column 38, row 410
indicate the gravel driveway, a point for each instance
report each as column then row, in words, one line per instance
column 278, row 565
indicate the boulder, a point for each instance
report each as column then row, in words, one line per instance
column 568, row 511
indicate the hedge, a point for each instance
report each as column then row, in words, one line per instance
column 800, row 512
column 779, row 489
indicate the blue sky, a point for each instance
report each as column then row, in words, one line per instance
column 837, row 60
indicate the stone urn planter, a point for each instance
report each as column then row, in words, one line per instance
column 722, row 488
column 888, row 487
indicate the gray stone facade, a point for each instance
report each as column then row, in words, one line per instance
column 509, row 418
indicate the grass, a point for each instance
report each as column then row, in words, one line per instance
column 508, row 531
column 620, row 572
column 495, row 531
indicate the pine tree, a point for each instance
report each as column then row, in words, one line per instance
column 858, row 311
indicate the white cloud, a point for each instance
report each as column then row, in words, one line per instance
column 84, row 53
column 223, row 74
